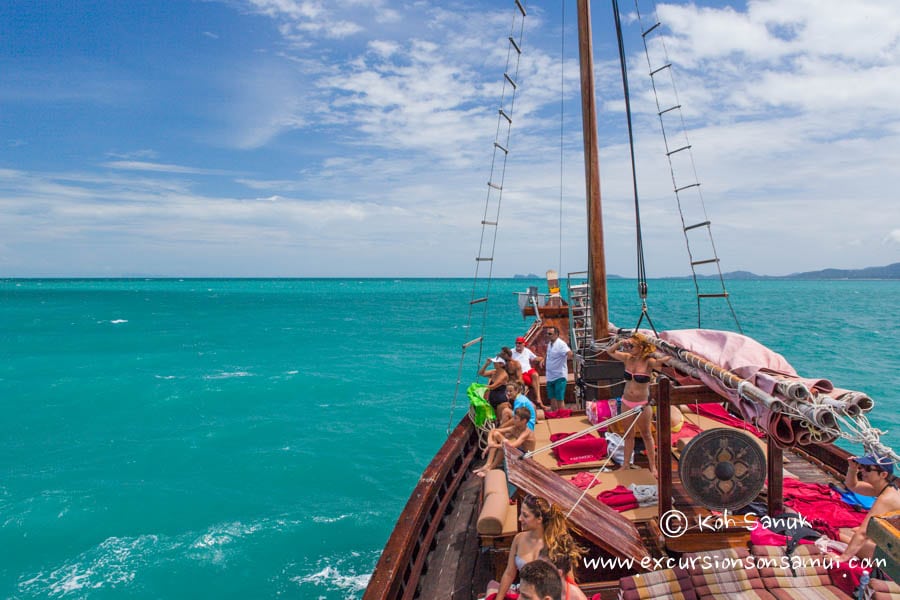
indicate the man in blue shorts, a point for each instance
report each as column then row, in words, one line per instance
column 557, row 361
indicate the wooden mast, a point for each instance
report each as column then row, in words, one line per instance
column 596, row 256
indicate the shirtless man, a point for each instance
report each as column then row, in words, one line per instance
column 870, row 475
column 515, row 435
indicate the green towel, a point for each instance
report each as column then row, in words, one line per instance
column 483, row 410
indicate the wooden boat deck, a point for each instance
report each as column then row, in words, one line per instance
column 796, row 465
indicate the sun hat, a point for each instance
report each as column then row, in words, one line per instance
column 882, row 462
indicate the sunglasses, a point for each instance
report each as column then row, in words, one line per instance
column 868, row 468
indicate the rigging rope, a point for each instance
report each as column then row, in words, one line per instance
column 562, row 113
column 641, row 267
column 491, row 216
column 578, row 434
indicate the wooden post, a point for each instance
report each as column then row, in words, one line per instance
column 775, row 472
column 664, row 445
column 596, row 258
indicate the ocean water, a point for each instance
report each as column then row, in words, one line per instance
column 258, row 438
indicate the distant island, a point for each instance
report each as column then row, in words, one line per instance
column 887, row 272
column 533, row 276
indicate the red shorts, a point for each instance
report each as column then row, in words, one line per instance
column 529, row 376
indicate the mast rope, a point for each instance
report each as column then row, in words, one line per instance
column 491, row 219
column 643, row 288
column 562, row 114
column 685, row 181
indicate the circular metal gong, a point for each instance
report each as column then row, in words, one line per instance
column 723, row 469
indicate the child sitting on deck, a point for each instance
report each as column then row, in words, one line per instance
column 514, row 394
column 515, row 435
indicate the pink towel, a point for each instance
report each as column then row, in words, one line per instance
column 619, row 498
column 558, row 414
column 587, row 448
column 585, row 480
column 718, row 413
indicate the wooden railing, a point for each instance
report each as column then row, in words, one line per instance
column 398, row 570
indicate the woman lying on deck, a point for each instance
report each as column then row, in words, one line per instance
column 639, row 362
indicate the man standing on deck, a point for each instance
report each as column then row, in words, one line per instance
column 524, row 356
column 557, row 361
column 870, row 475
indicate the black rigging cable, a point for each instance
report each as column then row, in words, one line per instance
column 641, row 269
column 562, row 115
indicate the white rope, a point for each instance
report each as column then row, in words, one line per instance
column 578, row 434
column 608, row 458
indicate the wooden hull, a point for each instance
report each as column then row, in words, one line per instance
column 404, row 558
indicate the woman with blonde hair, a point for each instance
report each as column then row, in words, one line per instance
column 544, row 533
column 640, row 359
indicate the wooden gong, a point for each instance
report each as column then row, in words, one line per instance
column 723, row 469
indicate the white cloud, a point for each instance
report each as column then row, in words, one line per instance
column 136, row 165
column 367, row 140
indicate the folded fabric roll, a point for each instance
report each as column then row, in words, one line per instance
column 584, row 449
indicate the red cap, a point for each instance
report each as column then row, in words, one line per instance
column 520, row 339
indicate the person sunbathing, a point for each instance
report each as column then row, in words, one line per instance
column 515, row 435
column 639, row 361
column 870, row 475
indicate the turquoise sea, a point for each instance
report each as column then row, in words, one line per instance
column 258, row 438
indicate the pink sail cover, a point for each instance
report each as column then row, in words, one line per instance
column 749, row 360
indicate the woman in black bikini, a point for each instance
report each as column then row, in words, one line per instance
column 496, row 388
column 639, row 361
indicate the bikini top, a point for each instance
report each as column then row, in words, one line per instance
column 637, row 377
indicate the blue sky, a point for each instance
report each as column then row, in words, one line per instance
column 353, row 138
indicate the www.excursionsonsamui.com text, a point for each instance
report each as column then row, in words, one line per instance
column 725, row 563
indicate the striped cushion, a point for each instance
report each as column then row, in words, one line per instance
column 825, row 592
column 725, row 572
column 884, row 590
column 804, row 568
column 670, row 583
column 803, row 574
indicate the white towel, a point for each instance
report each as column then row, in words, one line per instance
column 646, row 495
